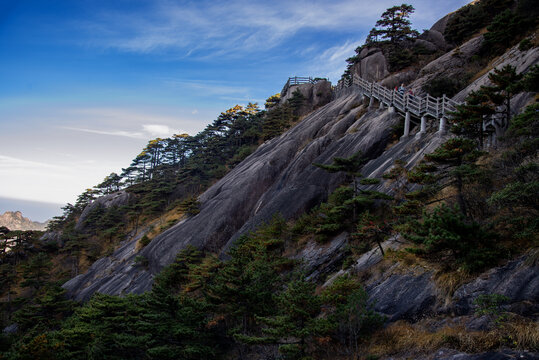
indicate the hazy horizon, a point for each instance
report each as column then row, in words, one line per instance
column 34, row 210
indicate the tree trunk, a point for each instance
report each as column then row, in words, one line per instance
column 460, row 196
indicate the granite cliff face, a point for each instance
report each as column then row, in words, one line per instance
column 14, row 220
column 277, row 178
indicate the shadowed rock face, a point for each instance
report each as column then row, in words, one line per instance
column 518, row 280
column 404, row 296
column 277, row 178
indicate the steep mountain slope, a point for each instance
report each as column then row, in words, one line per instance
column 277, row 178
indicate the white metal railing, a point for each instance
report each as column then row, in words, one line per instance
column 405, row 102
column 298, row 80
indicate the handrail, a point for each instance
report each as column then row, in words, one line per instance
column 298, row 80
column 404, row 102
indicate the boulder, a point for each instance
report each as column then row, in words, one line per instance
column 316, row 95
column 368, row 51
column 435, row 38
column 403, row 77
column 54, row 237
column 11, row 329
column 372, row 67
column 450, row 65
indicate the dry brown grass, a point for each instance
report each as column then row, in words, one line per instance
column 405, row 338
column 522, row 334
column 448, row 282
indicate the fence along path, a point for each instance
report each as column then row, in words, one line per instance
column 405, row 103
column 298, row 80
column 408, row 104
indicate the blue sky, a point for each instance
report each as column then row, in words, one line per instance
column 84, row 84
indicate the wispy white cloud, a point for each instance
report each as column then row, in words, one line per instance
column 129, row 134
column 12, row 163
column 331, row 62
column 209, row 28
column 148, row 131
column 158, row 130
column 208, row 87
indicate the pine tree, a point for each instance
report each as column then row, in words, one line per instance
column 395, row 25
column 45, row 311
column 469, row 117
column 451, row 164
column 298, row 321
column 37, row 271
column 8, row 280
column 350, row 166
column 447, row 233
column 506, row 84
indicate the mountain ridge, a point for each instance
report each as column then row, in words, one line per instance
column 14, row 220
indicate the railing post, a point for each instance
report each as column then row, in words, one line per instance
column 406, row 102
column 443, row 105
column 441, row 130
column 406, row 125
column 423, row 128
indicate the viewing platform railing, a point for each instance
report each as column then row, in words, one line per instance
column 298, row 80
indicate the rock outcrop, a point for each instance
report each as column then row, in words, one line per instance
column 518, row 280
column 116, row 274
column 404, row 296
column 316, row 95
column 372, row 65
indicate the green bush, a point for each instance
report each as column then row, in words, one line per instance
column 525, row 44
column 369, row 181
column 145, row 240
column 491, row 305
column 471, row 18
column 141, row 260
column 442, row 85
column 447, row 235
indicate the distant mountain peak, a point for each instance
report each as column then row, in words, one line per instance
column 14, row 220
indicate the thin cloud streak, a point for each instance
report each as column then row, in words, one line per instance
column 134, row 135
column 228, row 29
column 10, row 163
column 331, row 62
column 155, row 130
